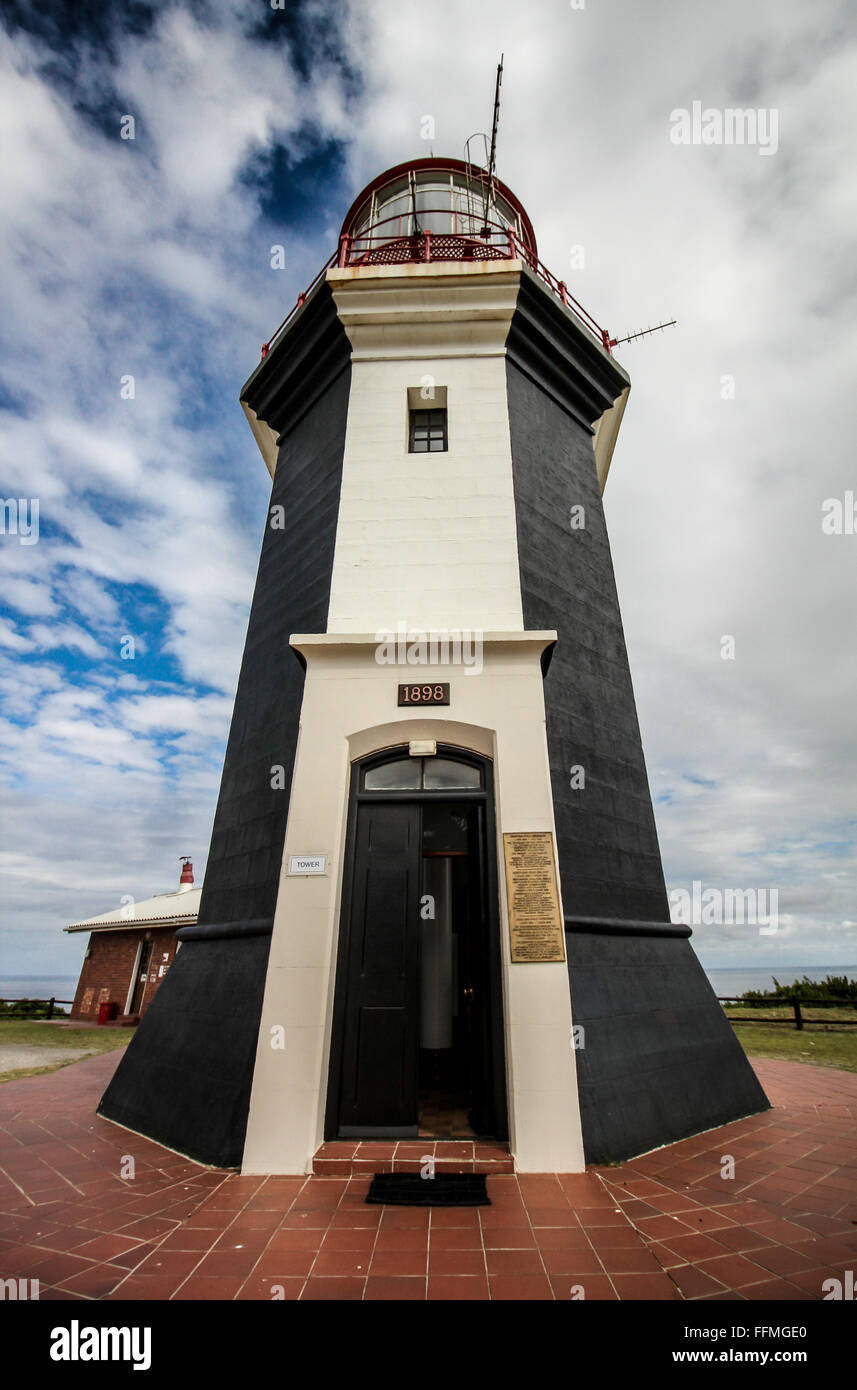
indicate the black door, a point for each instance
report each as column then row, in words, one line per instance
column 375, row 1055
column 379, row 1060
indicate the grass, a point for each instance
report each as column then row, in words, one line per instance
column 814, row 1014
column 821, row 1047
column 48, row 1034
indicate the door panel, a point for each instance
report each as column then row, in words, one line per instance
column 482, row 1115
column 379, row 1073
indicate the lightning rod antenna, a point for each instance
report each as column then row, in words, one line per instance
column 492, row 157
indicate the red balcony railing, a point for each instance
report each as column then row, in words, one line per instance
column 496, row 241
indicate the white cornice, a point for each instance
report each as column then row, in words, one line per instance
column 606, row 432
column 265, row 437
column 352, row 649
column 434, row 310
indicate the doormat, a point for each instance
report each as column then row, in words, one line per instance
column 443, row 1190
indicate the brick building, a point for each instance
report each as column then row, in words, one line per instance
column 130, row 951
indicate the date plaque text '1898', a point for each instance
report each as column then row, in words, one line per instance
column 429, row 693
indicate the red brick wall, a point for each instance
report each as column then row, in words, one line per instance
column 106, row 972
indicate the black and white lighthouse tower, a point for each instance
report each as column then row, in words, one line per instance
column 434, row 901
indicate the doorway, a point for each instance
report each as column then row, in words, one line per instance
column 142, row 973
column 417, row 1045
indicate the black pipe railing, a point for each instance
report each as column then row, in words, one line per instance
column 415, row 245
column 50, row 1003
column 795, row 1000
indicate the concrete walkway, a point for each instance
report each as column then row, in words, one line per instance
column 665, row 1226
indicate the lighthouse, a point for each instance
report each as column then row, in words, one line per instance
column 434, row 904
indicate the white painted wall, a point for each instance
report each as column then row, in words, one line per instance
column 426, row 539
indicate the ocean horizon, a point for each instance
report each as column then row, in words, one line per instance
column 728, row 980
column 725, row 980
column 38, row 986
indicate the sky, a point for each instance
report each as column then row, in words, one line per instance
column 144, row 265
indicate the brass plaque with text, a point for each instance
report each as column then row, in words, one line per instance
column 431, row 693
column 535, row 924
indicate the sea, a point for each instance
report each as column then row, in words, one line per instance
column 725, row 982
column 38, row 986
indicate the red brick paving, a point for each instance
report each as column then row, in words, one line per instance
column 341, row 1159
column 664, row 1226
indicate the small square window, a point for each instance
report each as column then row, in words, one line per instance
column 428, row 432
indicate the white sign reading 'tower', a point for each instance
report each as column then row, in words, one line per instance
column 308, row 864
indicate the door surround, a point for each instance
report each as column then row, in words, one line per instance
column 349, row 711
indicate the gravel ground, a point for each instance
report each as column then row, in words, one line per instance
column 18, row 1056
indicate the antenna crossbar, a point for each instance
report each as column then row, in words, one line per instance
column 614, row 342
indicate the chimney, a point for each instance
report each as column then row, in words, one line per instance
column 186, row 880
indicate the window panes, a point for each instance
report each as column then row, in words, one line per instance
column 428, row 432
column 395, row 216
column 443, row 773
column 433, row 212
column 445, row 203
column 445, row 828
column 422, row 774
column 394, row 777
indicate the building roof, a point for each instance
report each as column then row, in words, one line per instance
column 165, row 909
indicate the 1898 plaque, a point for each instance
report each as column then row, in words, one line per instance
column 535, row 925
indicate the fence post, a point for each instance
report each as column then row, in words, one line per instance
column 798, row 1014
column 51, row 1002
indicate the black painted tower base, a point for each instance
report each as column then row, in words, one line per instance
column 659, row 1059
column 186, row 1084
column 186, row 1076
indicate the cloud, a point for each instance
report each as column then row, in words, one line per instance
column 29, row 597
column 9, row 637
column 89, row 598
column 150, row 258
column 65, row 635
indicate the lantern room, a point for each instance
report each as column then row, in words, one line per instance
column 454, row 203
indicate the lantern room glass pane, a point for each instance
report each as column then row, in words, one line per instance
column 444, row 205
column 393, row 212
column 433, row 211
column 460, row 210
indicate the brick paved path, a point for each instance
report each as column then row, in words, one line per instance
column 663, row 1226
